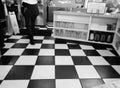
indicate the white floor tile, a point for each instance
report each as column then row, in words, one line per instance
column 61, row 46
column 4, row 71
column 16, row 37
column 109, row 80
column 75, row 52
column 39, row 37
column 47, row 52
column 87, row 47
column 36, row 46
column 23, row 41
column 87, row 72
column 68, row 83
column 14, row 84
column 63, row 60
column 48, row 41
column 117, row 68
column 105, row 53
column 97, row 60
column 26, row 60
column 14, row 52
column 8, row 45
column 43, row 72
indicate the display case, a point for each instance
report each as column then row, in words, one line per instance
column 72, row 26
column 95, row 28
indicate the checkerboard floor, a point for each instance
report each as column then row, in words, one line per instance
column 54, row 63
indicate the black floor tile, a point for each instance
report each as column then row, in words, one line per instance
column 81, row 60
column 74, row 46
column 30, row 52
column 45, row 60
column 48, row 37
column 113, row 60
column 62, row 52
column 19, row 45
column 47, row 46
column 91, row 53
column 45, row 83
column 60, row 41
column 38, row 41
column 9, row 60
column 0, row 81
column 66, row 72
column 114, row 52
column 97, row 46
column 3, row 51
column 107, row 72
column 11, row 40
column 90, row 83
column 20, row 72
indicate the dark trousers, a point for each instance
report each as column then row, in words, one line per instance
column 30, row 13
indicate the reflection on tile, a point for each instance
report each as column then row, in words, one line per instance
column 68, row 83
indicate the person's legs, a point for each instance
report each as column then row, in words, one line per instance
column 29, row 23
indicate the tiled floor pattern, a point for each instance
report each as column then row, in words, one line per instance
column 53, row 63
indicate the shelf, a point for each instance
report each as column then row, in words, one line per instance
column 70, row 34
column 60, row 28
column 103, row 31
column 61, row 37
column 100, row 42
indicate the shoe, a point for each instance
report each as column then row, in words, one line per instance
column 32, row 42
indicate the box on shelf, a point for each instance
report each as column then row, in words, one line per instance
column 94, row 7
column 98, row 27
